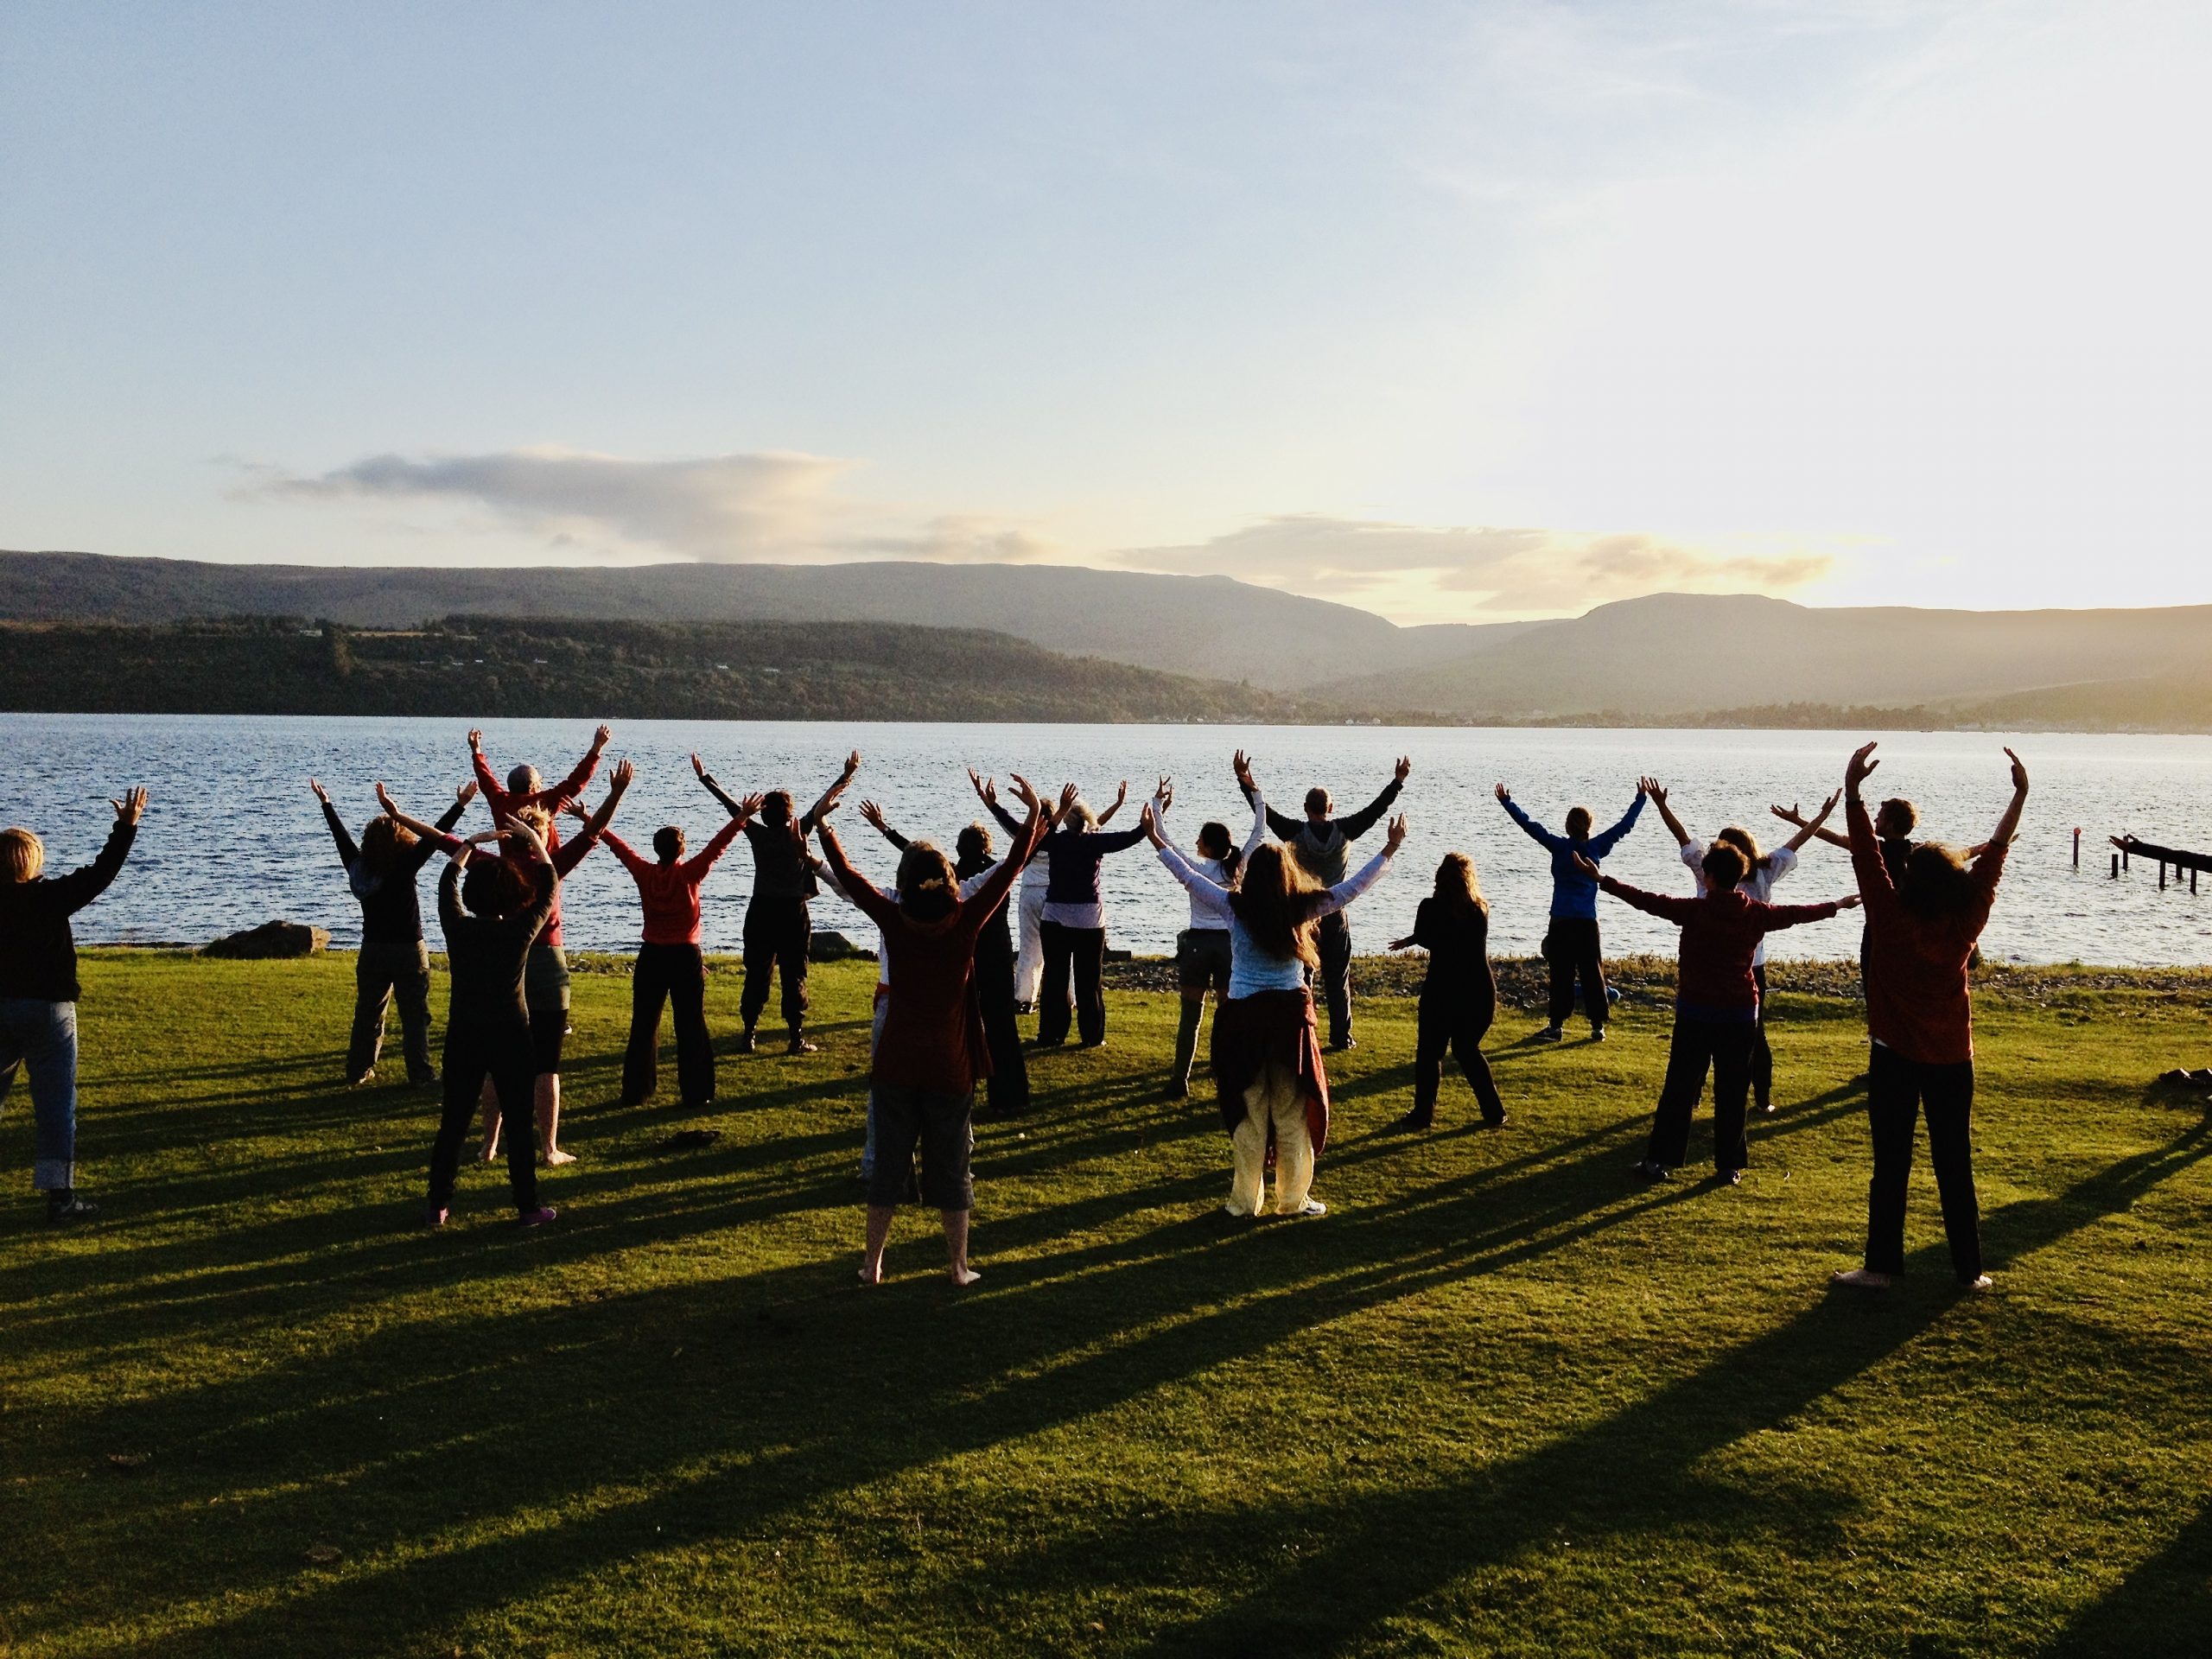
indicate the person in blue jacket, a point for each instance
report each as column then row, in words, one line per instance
column 1571, row 942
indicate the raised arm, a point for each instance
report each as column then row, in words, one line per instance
column 415, row 827
column 1344, row 892
column 348, row 852
column 730, row 804
column 985, row 905
column 696, row 866
column 1873, row 872
column 1283, row 827
column 2009, row 824
column 1537, row 833
column 80, row 886
column 873, row 815
column 1600, row 845
column 822, row 808
column 570, row 853
column 1806, row 831
column 1811, row 826
column 629, row 856
column 1656, row 793
column 579, row 779
column 857, row 888
column 495, row 792
column 1371, row 815
column 1119, row 795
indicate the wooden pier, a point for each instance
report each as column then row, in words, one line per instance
column 2174, row 857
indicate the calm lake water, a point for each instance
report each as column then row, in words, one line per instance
column 234, row 838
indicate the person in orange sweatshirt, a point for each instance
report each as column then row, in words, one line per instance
column 671, row 967
column 1922, row 926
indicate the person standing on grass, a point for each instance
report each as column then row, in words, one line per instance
column 393, row 962
column 1202, row 950
column 1074, row 922
column 1921, row 928
column 932, row 1048
column 39, row 992
column 1322, row 845
column 1458, row 995
column 670, row 966
column 1268, row 1071
column 1571, row 948
column 1716, row 1002
column 491, row 919
column 1036, row 887
column 545, row 981
column 973, row 862
column 1766, row 869
column 779, row 926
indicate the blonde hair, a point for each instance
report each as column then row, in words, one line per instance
column 22, row 856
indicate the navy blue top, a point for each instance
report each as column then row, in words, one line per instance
column 1575, row 894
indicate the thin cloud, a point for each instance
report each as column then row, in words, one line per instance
column 1511, row 571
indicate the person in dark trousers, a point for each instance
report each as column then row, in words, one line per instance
column 973, row 860
column 1459, row 996
column 1716, row 1003
column 39, row 992
column 1571, row 948
column 1075, row 924
column 393, row 962
column 489, row 921
column 1203, row 957
column 778, row 925
column 1320, row 844
column 545, row 984
column 671, row 967
column 932, row 1051
column 1766, row 869
column 1921, row 932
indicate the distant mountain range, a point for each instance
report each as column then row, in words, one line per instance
column 1666, row 658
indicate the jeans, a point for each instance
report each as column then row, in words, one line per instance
column 381, row 973
column 1726, row 1045
column 41, row 1037
column 675, row 974
column 1896, row 1091
column 1079, row 953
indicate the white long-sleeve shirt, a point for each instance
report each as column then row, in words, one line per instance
column 1252, row 968
column 1204, row 919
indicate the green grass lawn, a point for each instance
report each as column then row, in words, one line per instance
column 1501, row 1400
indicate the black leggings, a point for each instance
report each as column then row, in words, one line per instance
column 1009, row 1080
column 675, row 974
column 777, row 930
column 1761, row 1055
column 473, row 1053
column 1459, row 1025
column 1082, row 951
column 1725, row 1046
column 1896, row 1088
column 1571, row 949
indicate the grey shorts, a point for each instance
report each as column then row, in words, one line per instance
column 546, row 978
column 939, row 1124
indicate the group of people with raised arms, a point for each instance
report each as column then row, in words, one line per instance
column 1267, row 920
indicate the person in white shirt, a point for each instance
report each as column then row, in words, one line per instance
column 1202, row 953
column 1766, row 869
column 1268, row 1071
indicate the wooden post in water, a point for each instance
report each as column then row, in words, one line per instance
column 2115, row 866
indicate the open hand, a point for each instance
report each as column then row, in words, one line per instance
column 1860, row 768
column 1502, row 793
column 1652, row 788
column 599, row 738
column 698, row 767
column 1584, row 865
column 852, row 763
column 2020, row 771
column 1396, row 838
column 465, row 793
column 475, row 740
column 1243, row 765
column 976, row 782
column 384, row 800
column 1789, row 814
column 1404, row 768
column 624, row 770
column 1069, row 796
column 1829, row 805
column 1849, row 901
column 871, row 814
column 1148, row 821
column 1025, row 793
column 131, row 807
column 320, row 793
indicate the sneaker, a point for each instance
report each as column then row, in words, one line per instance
column 434, row 1215
column 539, row 1216
column 800, row 1046
column 1980, row 1287
column 1650, row 1170
column 1313, row 1207
column 1597, row 1033
column 1859, row 1279
column 1498, row 1123
column 1342, row 1044
column 744, row 1044
column 1734, row 1178
column 75, row 1207
column 1550, row 1034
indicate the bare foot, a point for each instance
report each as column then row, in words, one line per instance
column 965, row 1275
column 555, row 1158
column 1860, row 1278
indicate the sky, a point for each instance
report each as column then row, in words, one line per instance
column 1462, row 313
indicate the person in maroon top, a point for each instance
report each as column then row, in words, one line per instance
column 546, row 984
column 1716, row 1002
column 546, row 973
column 1922, row 926
column 671, row 967
column 933, row 1047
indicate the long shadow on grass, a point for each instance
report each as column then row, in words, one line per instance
column 2156, row 1608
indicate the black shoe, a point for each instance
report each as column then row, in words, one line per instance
column 1498, row 1123
column 1650, row 1170
column 72, row 1206
column 1409, row 1123
column 1339, row 1045
column 1178, row 1089
column 800, row 1046
column 428, row 1080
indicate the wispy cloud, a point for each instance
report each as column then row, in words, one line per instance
column 1519, row 572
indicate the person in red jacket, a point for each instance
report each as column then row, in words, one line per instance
column 1716, row 1003
column 671, row 967
column 934, row 1048
column 1922, row 926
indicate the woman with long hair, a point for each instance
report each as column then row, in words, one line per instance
column 392, row 962
column 933, row 1049
column 1921, row 928
column 1202, row 951
column 1766, row 869
column 1268, row 1072
column 1458, row 995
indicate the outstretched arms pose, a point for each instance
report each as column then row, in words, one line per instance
column 1679, row 909
column 495, row 790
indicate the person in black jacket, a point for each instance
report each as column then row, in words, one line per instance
column 1458, row 999
column 1320, row 842
column 39, row 991
column 393, row 960
column 488, row 935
